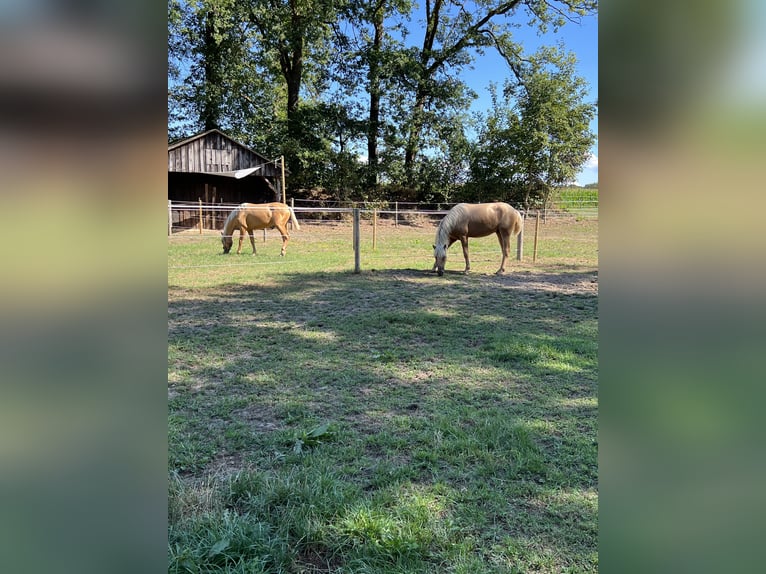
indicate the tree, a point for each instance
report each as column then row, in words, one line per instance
column 454, row 31
column 293, row 37
column 539, row 141
column 366, row 71
column 326, row 159
column 376, row 16
column 316, row 80
column 213, row 82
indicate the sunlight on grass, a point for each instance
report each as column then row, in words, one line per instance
column 579, row 403
column 390, row 421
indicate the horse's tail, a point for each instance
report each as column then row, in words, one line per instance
column 518, row 221
column 521, row 218
column 294, row 219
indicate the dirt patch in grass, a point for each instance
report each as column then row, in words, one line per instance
column 259, row 417
column 573, row 282
column 225, row 465
column 311, row 561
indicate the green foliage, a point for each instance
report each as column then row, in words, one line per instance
column 314, row 437
column 323, row 155
column 537, row 136
column 319, row 81
column 214, row 77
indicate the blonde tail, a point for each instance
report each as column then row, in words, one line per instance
column 294, row 219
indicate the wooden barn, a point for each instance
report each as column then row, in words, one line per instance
column 214, row 168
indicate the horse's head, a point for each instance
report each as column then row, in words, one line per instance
column 227, row 242
column 440, row 254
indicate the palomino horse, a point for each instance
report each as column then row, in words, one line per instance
column 476, row 220
column 251, row 216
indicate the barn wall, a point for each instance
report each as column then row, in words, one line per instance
column 215, row 152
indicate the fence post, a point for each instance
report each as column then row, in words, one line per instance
column 396, row 214
column 170, row 217
column 374, row 229
column 520, row 240
column 284, row 187
column 200, row 216
column 356, row 241
column 537, row 227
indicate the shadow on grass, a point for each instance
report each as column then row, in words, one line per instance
column 477, row 391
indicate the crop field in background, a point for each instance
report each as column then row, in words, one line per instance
column 568, row 195
column 576, row 201
column 389, row 421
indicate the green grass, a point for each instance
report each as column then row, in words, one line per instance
column 391, row 421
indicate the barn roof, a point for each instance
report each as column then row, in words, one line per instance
column 185, row 141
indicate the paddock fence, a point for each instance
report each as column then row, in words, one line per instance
column 186, row 216
column 205, row 221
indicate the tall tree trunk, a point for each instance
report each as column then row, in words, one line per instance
column 421, row 95
column 291, row 64
column 211, row 107
column 413, row 139
column 374, row 77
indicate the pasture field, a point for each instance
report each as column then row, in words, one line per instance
column 390, row 421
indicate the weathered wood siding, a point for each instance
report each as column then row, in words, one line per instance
column 215, row 152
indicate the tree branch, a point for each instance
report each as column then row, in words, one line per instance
column 562, row 13
column 512, row 61
column 464, row 41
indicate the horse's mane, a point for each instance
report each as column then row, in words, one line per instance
column 230, row 220
column 454, row 216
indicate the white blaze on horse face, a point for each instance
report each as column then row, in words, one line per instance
column 227, row 242
column 440, row 255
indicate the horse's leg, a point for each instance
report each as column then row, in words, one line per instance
column 464, row 243
column 252, row 239
column 241, row 238
column 285, row 238
column 505, row 248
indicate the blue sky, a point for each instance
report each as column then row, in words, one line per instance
column 581, row 39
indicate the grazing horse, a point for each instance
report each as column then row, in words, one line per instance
column 251, row 216
column 476, row 220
